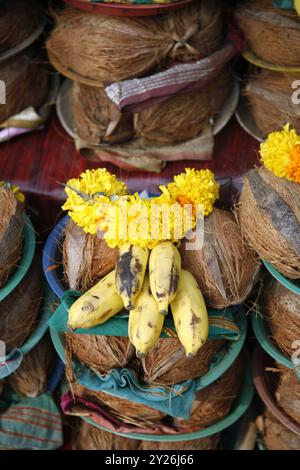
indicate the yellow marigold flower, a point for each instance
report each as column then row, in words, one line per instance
column 194, row 187
column 15, row 189
column 87, row 193
column 280, row 153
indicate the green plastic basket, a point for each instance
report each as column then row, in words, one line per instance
column 290, row 285
column 25, row 262
column 263, row 336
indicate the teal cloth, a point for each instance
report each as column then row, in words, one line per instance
column 12, row 361
column 123, row 383
column 221, row 322
column 30, row 423
column 284, row 4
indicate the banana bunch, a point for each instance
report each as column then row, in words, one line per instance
column 97, row 305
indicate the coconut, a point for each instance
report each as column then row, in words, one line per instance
column 269, row 95
column 269, row 215
column 226, row 268
column 214, row 402
column 94, row 49
column 11, row 232
column 86, row 258
column 277, row 436
column 288, row 393
column 31, row 378
column 208, row 443
column 282, row 310
column 19, row 312
column 89, row 437
column 166, row 363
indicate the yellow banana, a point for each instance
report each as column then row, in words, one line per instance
column 97, row 305
column 297, row 6
column 190, row 314
column 164, row 269
column 145, row 321
column 130, row 272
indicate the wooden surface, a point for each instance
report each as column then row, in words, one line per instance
column 37, row 161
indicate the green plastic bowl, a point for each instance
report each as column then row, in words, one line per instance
column 240, row 406
column 25, row 262
column 263, row 336
column 290, row 285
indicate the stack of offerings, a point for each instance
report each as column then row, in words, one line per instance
column 269, row 215
column 159, row 369
column 273, row 38
column 144, row 90
column 25, row 85
column 27, row 355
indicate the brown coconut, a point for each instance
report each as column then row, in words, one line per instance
column 88, row 437
column 226, row 268
column 269, row 215
column 214, row 402
column 99, row 352
column 86, row 258
column 31, row 378
column 282, row 310
column 288, row 393
column 26, row 82
column 93, row 49
column 207, row 443
column 19, row 312
column 277, row 436
column 97, row 119
column 269, row 95
column 273, row 34
column 166, row 363
column 124, row 410
column 11, row 233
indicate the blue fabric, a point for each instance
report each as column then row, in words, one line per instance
column 123, row 383
column 12, row 361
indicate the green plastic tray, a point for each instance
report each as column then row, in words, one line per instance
column 290, row 285
column 25, row 262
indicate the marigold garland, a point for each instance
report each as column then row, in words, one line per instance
column 280, row 153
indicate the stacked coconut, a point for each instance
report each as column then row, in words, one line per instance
column 26, row 87
column 25, row 370
column 269, row 215
column 138, row 121
column 271, row 92
column 226, row 269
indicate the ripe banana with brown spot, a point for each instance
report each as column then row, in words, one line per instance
column 145, row 321
column 97, row 305
column 130, row 272
column 164, row 269
column 190, row 314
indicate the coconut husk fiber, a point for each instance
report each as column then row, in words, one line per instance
column 282, row 310
column 167, row 364
column 31, row 378
column 183, row 116
column 86, row 258
column 97, row 119
column 99, row 352
column 26, row 83
column 269, row 215
column 214, row 402
column 19, row 312
column 226, row 268
column 11, row 232
column 277, row 436
column 207, row 443
column 288, row 393
column 269, row 95
column 94, row 49
column 88, row 437
column 18, row 19
column 124, row 410
column 272, row 34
